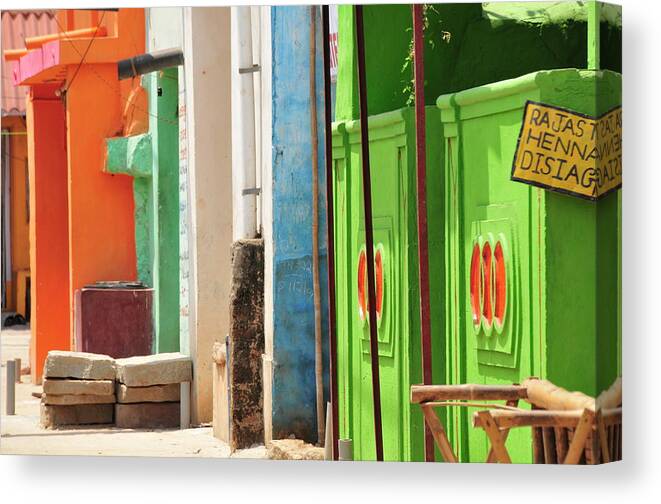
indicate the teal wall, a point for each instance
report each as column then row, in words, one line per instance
column 153, row 160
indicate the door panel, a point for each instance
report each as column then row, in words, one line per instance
column 493, row 261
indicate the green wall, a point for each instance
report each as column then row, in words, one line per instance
column 563, row 280
column 565, row 325
column 488, row 42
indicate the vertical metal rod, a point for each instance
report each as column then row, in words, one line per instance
column 18, row 370
column 330, row 230
column 10, row 385
column 184, row 405
column 423, row 245
column 369, row 236
column 594, row 25
column 346, row 449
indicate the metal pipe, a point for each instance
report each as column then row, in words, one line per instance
column 244, row 157
column 423, row 245
column 184, row 405
column 369, row 233
column 10, row 386
column 330, row 234
column 594, row 16
column 346, row 449
column 149, row 62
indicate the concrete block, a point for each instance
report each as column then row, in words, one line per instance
column 79, row 414
column 69, row 399
column 78, row 387
column 155, row 393
column 159, row 369
column 81, row 365
column 147, row 415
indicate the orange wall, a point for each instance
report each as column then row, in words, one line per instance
column 20, row 242
column 101, row 207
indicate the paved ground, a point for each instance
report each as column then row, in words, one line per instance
column 20, row 434
column 15, row 343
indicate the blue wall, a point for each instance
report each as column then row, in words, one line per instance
column 294, row 392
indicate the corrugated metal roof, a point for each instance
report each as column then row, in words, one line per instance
column 16, row 27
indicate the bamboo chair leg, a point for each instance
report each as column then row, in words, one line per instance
column 497, row 442
column 549, row 446
column 583, row 429
column 491, row 458
column 603, row 440
column 438, row 432
column 561, row 443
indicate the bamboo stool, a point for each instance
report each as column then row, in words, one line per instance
column 567, row 427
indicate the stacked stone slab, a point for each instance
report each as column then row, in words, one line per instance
column 78, row 389
column 148, row 390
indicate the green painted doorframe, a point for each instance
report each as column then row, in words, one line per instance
column 152, row 159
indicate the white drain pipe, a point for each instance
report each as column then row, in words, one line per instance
column 244, row 190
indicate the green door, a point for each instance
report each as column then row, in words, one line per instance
column 525, row 265
column 395, row 251
column 490, row 247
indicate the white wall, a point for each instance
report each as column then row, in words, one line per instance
column 209, row 175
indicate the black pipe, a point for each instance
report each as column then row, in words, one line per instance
column 369, row 234
column 330, row 223
column 149, row 62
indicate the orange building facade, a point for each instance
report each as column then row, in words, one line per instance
column 81, row 227
column 17, row 26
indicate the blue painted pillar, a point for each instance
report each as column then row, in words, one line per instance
column 294, row 389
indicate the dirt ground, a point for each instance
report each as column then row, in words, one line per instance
column 21, row 434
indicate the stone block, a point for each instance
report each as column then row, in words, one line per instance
column 155, row 393
column 79, row 414
column 294, row 449
column 246, row 344
column 159, row 369
column 147, row 415
column 78, row 387
column 81, row 365
column 69, row 399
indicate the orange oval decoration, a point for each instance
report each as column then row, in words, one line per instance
column 500, row 284
column 362, row 285
column 378, row 263
column 475, row 285
column 487, row 284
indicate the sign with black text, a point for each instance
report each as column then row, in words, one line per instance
column 569, row 152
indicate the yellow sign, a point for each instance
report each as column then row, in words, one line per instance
column 568, row 152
